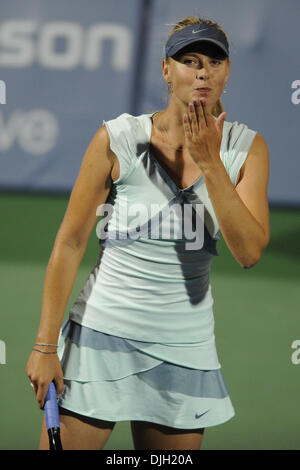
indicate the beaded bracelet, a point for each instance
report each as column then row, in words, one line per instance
column 45, row 344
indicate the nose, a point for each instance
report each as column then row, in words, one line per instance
column 202, row 73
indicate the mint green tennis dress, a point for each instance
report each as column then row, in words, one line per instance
column 139, row 342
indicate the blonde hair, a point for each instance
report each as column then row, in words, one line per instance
column 189, row 20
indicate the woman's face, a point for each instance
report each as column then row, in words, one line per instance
column 197, row 66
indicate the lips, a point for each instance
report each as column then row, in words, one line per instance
column 203, row 89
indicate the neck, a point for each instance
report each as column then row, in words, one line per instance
column 169, row 124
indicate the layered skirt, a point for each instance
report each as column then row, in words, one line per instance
column 108, row 378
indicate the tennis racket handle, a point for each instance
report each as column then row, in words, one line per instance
column 54, row 439
column 51, row 408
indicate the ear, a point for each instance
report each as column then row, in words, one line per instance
column 228, row 70
column 166, row 70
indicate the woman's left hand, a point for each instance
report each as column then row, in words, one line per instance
column 203, row 134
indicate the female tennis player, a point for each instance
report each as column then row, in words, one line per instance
column 139, row 342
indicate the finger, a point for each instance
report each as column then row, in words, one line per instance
column 203, row 114
column 193, row 118
column 196, row 106
column 35, row 387
column 202, row 121
column 220, row 121
column 59, row 385
column 207, row 115
column 41, row 395
column 186, row 126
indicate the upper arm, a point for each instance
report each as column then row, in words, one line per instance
column 253, row 184
column 90, row 190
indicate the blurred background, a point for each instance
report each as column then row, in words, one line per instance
column 67, row 65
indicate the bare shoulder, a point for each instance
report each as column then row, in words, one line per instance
column 259, row 145
column 90, row 191
column 259, row 148
column 102, row 139
column 257, row 158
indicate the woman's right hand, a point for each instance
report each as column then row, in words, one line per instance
column 41, row 370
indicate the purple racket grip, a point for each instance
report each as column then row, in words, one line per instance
column 51, row 408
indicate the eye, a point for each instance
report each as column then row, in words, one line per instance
column 192, row 62
column 216, row 61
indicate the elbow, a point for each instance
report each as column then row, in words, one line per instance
column 250, row 261
column 248, row 266
column 252, row 258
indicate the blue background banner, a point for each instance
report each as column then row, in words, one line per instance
column 69, row 65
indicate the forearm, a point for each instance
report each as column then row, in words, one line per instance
column 59, row 280
column 242, row 233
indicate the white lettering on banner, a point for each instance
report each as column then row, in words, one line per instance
column 9, row 130
column 2, row 92
column 296, row 94
column 68, row 59
column 122, row 41
column 16, row 45
column 24, row 42
column 36, row 131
